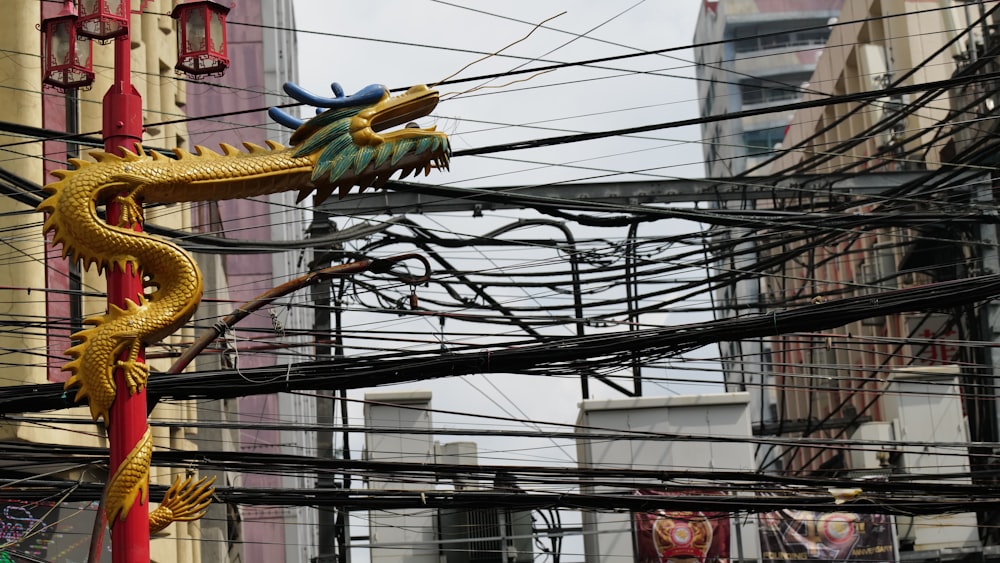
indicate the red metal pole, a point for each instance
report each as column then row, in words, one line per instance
column 123, row 128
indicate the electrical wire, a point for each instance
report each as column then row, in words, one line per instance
column 833, row 227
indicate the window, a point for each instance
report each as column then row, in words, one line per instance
column 802, row 33
column 762, row 141
column 709, row 99
column 773, row 89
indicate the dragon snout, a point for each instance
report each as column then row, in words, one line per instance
column 419, row 101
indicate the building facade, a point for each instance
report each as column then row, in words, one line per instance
column 750, row 55
column 753, row 54
column 45, row 297
column 880, row 45
column 915, row 377
column 48, row 297
column 263, row 53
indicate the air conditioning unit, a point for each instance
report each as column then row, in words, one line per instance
column 485, row 536
column 873, row 69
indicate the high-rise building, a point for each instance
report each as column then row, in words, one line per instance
column 910, row 377
column 751, row 55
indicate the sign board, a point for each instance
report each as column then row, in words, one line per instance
column 803, row 535
column 673, row 536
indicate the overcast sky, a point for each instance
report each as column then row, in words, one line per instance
column 410, row 41
column 422, row 42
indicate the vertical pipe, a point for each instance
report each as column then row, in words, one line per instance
column 325, row 402
column 632, row 299
column 73, row 151
column 973, row 53
column 739, row 538
column 123, row 128
column 343, row 520
column 984, row 24
column 343, row 517
column 989, row 235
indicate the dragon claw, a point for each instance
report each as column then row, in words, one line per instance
column 131, row 211
column 353, row 143
column 185, row 501
column 136, row 375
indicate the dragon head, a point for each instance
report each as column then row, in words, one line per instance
column 352, row 143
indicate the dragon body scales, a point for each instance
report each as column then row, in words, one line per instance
column 347, row 145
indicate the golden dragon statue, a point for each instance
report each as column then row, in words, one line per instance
column 347, row 144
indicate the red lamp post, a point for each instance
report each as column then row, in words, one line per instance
column 122, row 127
column 66, row 61
column 67, row 64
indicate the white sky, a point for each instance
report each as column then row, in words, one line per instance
column 568, row 101
column 589, row 99
column 583, row 99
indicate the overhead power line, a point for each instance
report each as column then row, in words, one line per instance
column 696, row 490
column 89, row 137
column 553, row 356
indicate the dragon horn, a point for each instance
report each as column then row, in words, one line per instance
column 366, row 96
column 282, row 118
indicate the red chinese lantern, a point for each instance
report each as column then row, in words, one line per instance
column 201, row 38
column 66, row 60
column 103, row 20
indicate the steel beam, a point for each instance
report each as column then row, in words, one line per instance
column 407, row 197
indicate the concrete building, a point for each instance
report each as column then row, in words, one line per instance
column 401, row 431
column 611, row 536
column 753, row 54
column 263, row 55
column 883, row 378
column 400, row 422
column 883, row 42
column 750, row 55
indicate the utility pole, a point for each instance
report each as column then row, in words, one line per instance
column 332, row 525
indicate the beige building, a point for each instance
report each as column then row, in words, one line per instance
column 872, row 47
column 31, row 352
column 837, row 379
column 751, row 55
column 896, row 394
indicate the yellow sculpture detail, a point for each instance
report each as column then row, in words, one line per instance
column 342, row 147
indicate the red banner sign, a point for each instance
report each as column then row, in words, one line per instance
column 671, row 536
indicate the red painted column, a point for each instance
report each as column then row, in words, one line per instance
column 123, row 128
